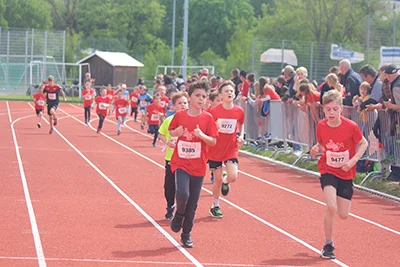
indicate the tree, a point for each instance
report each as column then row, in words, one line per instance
column 213, row 22
column 25, row 14
column 209, row 58
column 64, row 15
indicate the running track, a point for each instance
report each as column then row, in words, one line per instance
column 75, row 198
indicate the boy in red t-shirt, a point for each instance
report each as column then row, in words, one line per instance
column 213, row 100
column 338, row 138
column 121, row 106
column 230, row 120
column 154, row 113
column 103, row 104
column 164, row 100
column 39, row 100
column 134, row 101
column 88, row 95
column 196, row 130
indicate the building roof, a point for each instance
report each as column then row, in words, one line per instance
column 115, row 59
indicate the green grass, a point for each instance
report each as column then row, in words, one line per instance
column 70, row 99
column 388, row 187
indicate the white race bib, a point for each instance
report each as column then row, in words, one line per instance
column 122, row 110
column 162, row 103
column 134, row 99
column 88, row 97
column 227, row 126
column 155, row 117
column 337, row 159
column 110, row 96
column 103, row 106
column 40, row 102
column 189, row 150
column 143, row 103
column 52, row 96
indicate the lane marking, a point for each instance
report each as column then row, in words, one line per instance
column 145, row 262
column 35, row 231
column 119, row 190
column 227, row 201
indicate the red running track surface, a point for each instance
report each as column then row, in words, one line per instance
column 273, row 216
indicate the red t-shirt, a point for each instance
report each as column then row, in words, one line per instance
column 40, row 100
column 244, row 89
column 191, row 153
column 340, row 145
column 272, row 94
column 110, row 94
column 102, row 105
column 153, row 116
column 121, row 107
column 134, row 99
column 88, row 96
column 313, row 97
column 52, row 92
column 228, row 121
column 164, row 102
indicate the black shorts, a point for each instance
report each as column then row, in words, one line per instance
column 38, row 111
column 153, row 128
column 344, row 188
column 51, row 106
column 215, row 165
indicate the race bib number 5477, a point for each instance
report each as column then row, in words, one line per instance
column 337, row 159
column 189, row 150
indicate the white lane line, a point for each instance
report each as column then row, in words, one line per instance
column 8, row 111
column 150, row 219
column 144, row 262
column 227, row 201
column 35, row 231
column 306, row 197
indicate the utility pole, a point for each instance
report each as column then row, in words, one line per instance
column 185, row 37
column 173, row 35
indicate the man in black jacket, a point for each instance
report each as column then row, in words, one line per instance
column 352, row 81
column 236, row 80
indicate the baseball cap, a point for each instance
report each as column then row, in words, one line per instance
column 391, row 69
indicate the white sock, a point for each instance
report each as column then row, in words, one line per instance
column 216, row 202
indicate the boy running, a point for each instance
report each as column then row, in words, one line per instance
column 134, row 101
column 88, row 95
column 121, row 106
column 196, row 130
column 52, row 92
column 229, row 118
column 144, row 100
column 179, row 102
column 39, row 99
column 154, row 114
column 338, row 138
column 103, row 103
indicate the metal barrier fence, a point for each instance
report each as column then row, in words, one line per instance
column 288, row 124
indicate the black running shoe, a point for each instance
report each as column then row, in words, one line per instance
column 216, row 212
column 39, row 125
column 176, row 223
column 118, row 132
column 327, row 252
column 225, row 189
column 186, row 240
column 142, row 126
column 170, row 214
column 51, row 131
column 55, row 121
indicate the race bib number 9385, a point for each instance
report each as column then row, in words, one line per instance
column 189, row 150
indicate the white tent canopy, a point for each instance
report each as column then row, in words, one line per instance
column 274, row 55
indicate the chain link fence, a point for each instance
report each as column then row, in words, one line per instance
column 21, row 50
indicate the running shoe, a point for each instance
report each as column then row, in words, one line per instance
column 327, row 252
column 186, row 240
column 142, row 126
column 118, row 132
column 170, row 214
column 225, row 186
column 216, row 212
column 176, row 223
column 98, row 130
column 55, row 121
column 39, row 125
column 51, row 131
